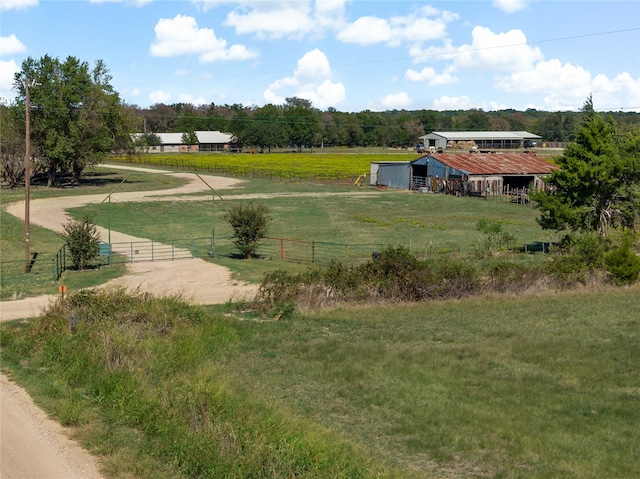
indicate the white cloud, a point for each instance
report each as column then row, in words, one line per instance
column 366, row 31
column 193, row 100
column 182, row 36
column 396, row 101
column 623, row 91
column 465, row 103
column 135, row 92
column 8, row 69
column 311, row 80
column 180, row 73
column 565, row 86
column 272, row 19
column 10, row 45
column 424, row 24
column 159, row 96
column 138, row 3
column 17, row 4
column 430, row 76
column 329, row 14
column 510, row 6
column 499, row 52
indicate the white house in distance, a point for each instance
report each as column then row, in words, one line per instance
column 207, row 141
column 482, row 140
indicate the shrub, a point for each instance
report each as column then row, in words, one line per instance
column 495, row 238
column 249, row 223
column 623, row 264
column 83, row 240
column 578, row 257
column 507, row 277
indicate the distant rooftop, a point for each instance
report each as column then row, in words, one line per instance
column 484, row 135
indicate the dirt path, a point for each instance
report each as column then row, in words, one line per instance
column 32, row 445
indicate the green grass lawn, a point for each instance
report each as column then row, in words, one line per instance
column 533, row 387
column 530, row 387
column 427, row 224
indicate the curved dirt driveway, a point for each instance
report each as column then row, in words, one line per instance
column 200, row 281
column 32, row 445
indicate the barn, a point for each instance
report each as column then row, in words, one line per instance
column 207, row 141
column 482, row 140
column 464, row 173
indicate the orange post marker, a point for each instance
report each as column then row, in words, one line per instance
column 63, row 289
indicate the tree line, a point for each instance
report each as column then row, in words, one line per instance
column 298, row 123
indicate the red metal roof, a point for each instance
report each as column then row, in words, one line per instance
column 495, row 163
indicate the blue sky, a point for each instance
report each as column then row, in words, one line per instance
column 351, row 55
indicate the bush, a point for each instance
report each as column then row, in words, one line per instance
column 623, row 264
column 495, row 238
column 249, row 223
column 83, row 240
column 578, row 257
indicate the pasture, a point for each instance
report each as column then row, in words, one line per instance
column 336, row 218
column 534, row 386
column 530, row 387
column 321, row 164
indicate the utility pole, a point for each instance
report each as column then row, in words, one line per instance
column 27, row 174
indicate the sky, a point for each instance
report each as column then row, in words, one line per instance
column 350, row 55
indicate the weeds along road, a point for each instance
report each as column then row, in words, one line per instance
column 31, row 444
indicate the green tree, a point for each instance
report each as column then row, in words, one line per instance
column 266, row 128
column 12, row 146
column 189, row 138
column 77, row 117
column 249, row 223
column 596, row 186
column 82, row 239
column 302, row 122
column 556, row 126
column 145, row 140
column 476, row 120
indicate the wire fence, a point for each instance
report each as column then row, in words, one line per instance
column 43, row 271
column 303, row 251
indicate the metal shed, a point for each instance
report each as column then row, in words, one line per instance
column 392, row 174
column 481, row 139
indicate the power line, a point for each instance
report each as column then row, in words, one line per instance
column 454, row 51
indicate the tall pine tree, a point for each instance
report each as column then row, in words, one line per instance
column 597, row 185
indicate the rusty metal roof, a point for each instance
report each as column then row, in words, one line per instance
column 495, row 163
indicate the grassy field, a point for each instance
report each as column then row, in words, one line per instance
column 427, row 224
column 531, row 387
column 329, row 164
column 318, row 164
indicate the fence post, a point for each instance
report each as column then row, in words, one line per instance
column 152, row 258
column 53, row 268
column 281, row 248
column 313, row 251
